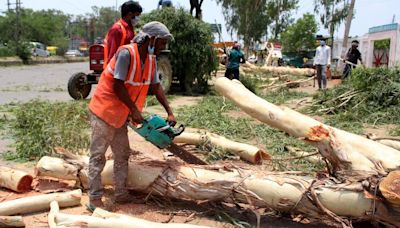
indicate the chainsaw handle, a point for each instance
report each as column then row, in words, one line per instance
column 179, row 130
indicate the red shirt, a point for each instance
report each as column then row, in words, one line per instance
column 115, row 36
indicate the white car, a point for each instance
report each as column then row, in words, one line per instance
column 73, row 53
column 39, row 49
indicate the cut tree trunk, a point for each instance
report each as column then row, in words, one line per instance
column 101, row 218
column 39, row 203
column 285, row 193
column 280, row 70
column 15, row 180
column 245, row 151
column 346, row 152
column 11, row 221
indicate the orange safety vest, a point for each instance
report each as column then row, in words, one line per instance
column 105, row 42
column 106, row 105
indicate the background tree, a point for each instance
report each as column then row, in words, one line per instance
column 347, row 28
column 332, row 13
column 280, row 12
column 249, row 19
column 192, row 57
column 300, row 36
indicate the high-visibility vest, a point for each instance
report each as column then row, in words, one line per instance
column 106, row 43
column 106, row 105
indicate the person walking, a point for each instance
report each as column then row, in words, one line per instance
column 352, row 56
column 235, row 57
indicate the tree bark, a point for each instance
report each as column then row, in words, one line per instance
column 11, row 221
column 15, row 180
column 345, row 151
column 285, row 193
column 39, row 203
column 101, row 218
column 247, row 152
column 347, row 26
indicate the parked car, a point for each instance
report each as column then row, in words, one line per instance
column 73, row 53
column 39, row 49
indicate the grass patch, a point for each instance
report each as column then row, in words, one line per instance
column 151, row 100
column 283, row 95
column 39, row 127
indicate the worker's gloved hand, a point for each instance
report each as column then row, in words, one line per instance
column 171, row 120
column 136, row 117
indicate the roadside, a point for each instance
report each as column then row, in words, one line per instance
column 14, row 60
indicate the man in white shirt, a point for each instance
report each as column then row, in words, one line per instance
column 322, row 60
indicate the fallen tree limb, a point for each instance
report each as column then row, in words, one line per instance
column 286, row 193
column 391, row 143
column 33, row 204
column 280, row 70
column 15, row 180
column 311, row 157
column 288, row 84
column 11, row 221
column 346, row 152
column 245, row 151
column 103, row 219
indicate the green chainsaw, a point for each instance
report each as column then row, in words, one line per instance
column 161, row 134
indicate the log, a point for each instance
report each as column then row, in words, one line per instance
column 280, row 70
column 247, row 152
column 11, row 221
column 391, row 143
column 285, row 193
column 39, row 203
column 15, row 180
column 346, row 152
column 390, row 188
column 103, row 219
column 290, row 84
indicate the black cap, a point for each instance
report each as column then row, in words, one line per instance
column 355, row 41
column 130, row 6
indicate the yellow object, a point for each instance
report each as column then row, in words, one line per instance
column 52, row 50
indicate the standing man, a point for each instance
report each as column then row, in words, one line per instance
column 122, row 92
column 322, row 60
column 122, row 32
column 353, row 55
column 235, row 57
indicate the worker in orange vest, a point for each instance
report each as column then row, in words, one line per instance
column 121, row 93
column 122, row 31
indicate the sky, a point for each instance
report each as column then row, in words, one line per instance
column 368, row 13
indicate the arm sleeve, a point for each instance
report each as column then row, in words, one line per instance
column 315, row 56
column 114, row 39
column 329, row 56
column 122, row 64
column 156, row 77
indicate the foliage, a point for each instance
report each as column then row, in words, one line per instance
column 300, row 35
column 248, row 18
column 280, row 12
column 100, row 21
column 370, row 96
column 41, row 126
column 382, row 44
column 192, row 57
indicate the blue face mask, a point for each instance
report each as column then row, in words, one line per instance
column 322, row 43
column 135, row 20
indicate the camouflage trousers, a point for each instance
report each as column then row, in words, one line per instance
column 103, row 136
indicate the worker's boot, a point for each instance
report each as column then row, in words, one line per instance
column 93, row 204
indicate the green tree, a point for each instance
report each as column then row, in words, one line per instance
column 192, row 56
column 101, row 20
column 248, row 18
column 332, row 13
column 280, row 12
column 300, row 35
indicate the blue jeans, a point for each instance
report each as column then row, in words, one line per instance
column 321, row 76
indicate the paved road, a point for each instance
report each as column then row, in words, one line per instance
column 45, row 81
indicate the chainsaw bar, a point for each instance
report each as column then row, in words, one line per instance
column 185, row 155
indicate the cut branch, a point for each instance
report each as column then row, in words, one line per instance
column 15, row 180
column 245, row 151
column 39, row 203
column 11, row 221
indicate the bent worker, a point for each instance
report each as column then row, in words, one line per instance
column 235, row 57
column 164, row 3
column 322, row 60
column 122, row 92
column 122, row 31
column 353, row 55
